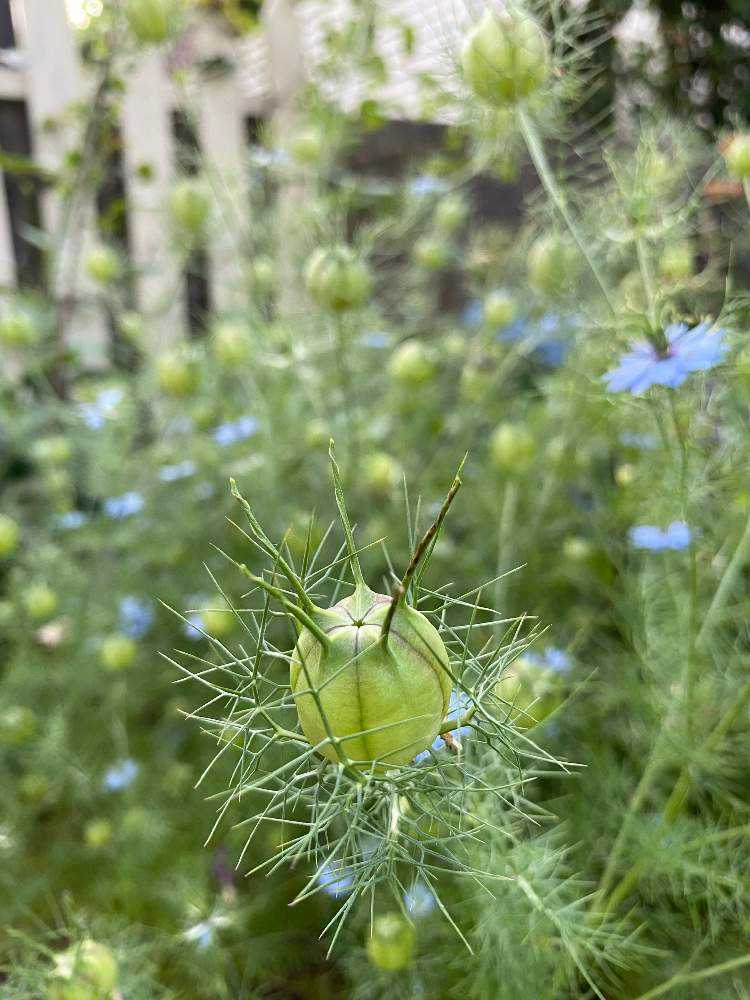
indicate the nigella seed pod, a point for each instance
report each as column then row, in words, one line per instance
column 505, row 57
column 391, row 946
column 338, row 279
column 370, row 677
column 383, row 696
column 737, row 156
column 85, row 971
column 190, row 206
column 153, row 22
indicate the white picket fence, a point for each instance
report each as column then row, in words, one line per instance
column 269, row 67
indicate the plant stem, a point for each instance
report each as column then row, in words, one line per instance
column 727, row 582
column 694, row 977
column 541, row 164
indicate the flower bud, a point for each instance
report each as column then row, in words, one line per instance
column 737, row 156
column 505, row 57
column 512, row 448
column 338, row 279
column 391, row 946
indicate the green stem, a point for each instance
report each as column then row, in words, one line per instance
column 693, row 977
column 541, row 164
column 341, row 504
column 727, row 582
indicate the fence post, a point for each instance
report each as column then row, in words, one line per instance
column 220, row 108
column 148, row 142
column 54, row 82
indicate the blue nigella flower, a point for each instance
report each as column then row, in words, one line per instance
column 457, row 705
column 426, row 184
column 136, row 617
column 376, row 339
column 120, row 775
column 193, row 626
column 335, row 879
column 235, row 430
column 103, row 407
column 687, row 351
column 123, row 506
column 180, row 470
column 472, row 313
column 556, row 659
column 646, row 536
column 418, row 900
column 72, row 519
column 631, row 439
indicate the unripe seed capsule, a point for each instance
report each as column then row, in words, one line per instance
column 392, row 944
column 505, row 57
column 338, row 279
column 737, row 156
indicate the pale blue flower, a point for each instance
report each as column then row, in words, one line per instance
column 235, row 430
column 103, row 407
column 556, row 659
column 426, row 184
column 472, row 313
column 419, row 900
column 376, row 339
column 687, row 351
column 646, row 536
column 72, row 519
column 123, row 506
column 335, row 879
column 194, row 628
column 458, row 704
column 645, row 442
column 136, row 617
column 120, row 775
column 180, row 470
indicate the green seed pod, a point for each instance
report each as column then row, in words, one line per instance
column 384, row 701
column 411, row 364
column 512, row 448
column 98, row 833
column 131, row 327
column 262, row 272
column 500, row 308
column 153, row 22
column 531, row 690
column 17, row 329
column 577, row 549
column 316, row 434
column 307, row 145
column 178, row 374
column 450, row 213
column 86, row 971
column 551, row 264
column 218, row 620
column 380, row 473
column 431, row 253
column 190, row 205
column 53, row 450
column 737, row 156
column 118, row 652
column 103, row 264
column 40, row 601
column 677, row 263
column 34, row 787
column 10, row 533
column 505, row 57
column 230, row 343
column 391, row 946
column 18, row 725
column 338, row 279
